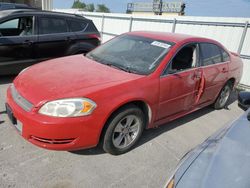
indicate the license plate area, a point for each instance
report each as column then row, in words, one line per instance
column 17, row 124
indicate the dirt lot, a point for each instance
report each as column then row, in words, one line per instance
column 148, row 165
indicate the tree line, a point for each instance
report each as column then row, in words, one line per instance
column 90, row 7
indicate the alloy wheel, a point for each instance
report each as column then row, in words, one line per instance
column 225, row 93
column 126, row 131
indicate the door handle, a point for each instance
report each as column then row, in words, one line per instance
column 28, row 42
column 68, row 39
column 224, row 70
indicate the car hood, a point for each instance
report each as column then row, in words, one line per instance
column 73, row 76
column 222, row 161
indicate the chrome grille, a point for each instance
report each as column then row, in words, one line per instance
column 22, row 102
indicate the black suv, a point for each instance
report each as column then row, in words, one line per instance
column 31, row 36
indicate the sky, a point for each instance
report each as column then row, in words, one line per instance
column 221, row 8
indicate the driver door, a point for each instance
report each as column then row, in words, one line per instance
column 17, row 43
column 180, row 82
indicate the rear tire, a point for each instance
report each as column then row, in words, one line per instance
column 123, row 130
column 224, row 96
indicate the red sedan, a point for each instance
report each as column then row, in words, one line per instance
column 136, row 81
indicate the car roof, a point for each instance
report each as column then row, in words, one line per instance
column 170, row 37
column 37, row 12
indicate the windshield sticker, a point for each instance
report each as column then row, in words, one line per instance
column 160, row 44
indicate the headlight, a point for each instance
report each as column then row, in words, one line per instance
column 68, row 107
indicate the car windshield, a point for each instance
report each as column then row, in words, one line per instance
column 130, row 53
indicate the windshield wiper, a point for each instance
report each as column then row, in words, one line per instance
column 91, row 57
column 120, row 67
column 117, row 66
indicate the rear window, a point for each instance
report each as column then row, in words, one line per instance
column 77, row 25
column 211, row 54
column 91, row 27
column 225, row 56
column 52, row 25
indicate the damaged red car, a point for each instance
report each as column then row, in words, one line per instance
column 136, row 81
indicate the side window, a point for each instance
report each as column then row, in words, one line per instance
column 186, row 58
column 225, row 55
column 52, row 25
column 211, row 54
column 10, row 24
column 22, row 26
column 77, row 25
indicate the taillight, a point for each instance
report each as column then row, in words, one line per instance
column 95, row 36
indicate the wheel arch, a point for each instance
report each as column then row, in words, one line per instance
column 80, row 47
column 141, row 104
column 232, row 80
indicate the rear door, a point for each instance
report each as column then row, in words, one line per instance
column 17, row 39
column 180, row 82
column 215, row 70
column 54, row 38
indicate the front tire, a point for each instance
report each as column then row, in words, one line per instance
column 124, row 130
column 224, row 96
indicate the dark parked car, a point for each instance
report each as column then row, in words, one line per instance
column 30, row 36
column 221, row 161
column 6, row 6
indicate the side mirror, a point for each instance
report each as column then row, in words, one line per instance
column 244, row 100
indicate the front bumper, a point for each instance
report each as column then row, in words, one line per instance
column 57, row 133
